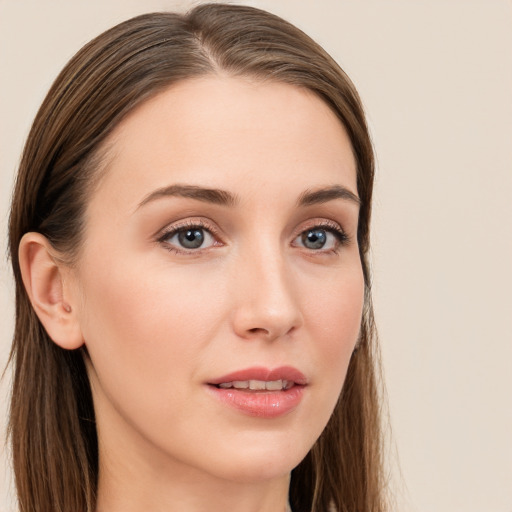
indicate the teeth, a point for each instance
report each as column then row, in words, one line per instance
column 274, row 385
column 258, row 385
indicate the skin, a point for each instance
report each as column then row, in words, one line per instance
column 160, row 321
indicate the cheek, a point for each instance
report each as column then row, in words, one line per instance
column 140, row 322
column 335, row 311
column 334, row 317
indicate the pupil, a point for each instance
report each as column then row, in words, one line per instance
column 191, row 238
column 314, row 239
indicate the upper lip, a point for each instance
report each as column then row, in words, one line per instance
column 288, row 373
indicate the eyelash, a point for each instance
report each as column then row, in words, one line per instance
column 341, row 236
column 332, row 227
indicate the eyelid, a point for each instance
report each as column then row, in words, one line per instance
column 322, row 223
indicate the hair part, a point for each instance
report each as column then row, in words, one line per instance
column 52, row 427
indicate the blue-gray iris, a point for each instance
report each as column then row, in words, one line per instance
column 191, row 238
column 314, row 238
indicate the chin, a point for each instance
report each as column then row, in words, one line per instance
column 259, row 461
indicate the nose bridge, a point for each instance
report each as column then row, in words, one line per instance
column 266, row 300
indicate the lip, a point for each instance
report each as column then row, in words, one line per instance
column 261, row 404
column 262, row 373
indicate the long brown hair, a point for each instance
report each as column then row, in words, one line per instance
column 52, row 429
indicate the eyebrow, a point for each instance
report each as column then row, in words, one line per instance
column 323, row 195
column 207, row 195
column 225, row 198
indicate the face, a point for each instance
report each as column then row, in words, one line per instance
column 220, row 287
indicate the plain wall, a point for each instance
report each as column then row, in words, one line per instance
column 436, row 80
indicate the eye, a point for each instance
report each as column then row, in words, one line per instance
column 321, row 238
column 189, row 238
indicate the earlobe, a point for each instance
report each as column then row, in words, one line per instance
column 43, row 279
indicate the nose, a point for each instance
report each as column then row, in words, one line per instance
column 266, row 299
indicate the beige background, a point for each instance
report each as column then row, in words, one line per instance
column 436, row 78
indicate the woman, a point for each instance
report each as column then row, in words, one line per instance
column 189, row 237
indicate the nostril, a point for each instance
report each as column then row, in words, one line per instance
column 258, row 330
column 269, row 333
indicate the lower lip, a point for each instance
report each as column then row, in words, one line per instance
column 262, row 404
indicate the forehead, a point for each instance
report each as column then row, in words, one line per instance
column 231, row 133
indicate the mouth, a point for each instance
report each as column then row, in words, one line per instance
column 261, row 392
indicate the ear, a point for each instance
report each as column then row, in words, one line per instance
column 43, row 277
